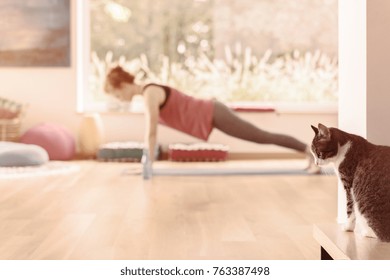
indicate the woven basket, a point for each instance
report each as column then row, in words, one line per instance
column 10, row 129
column 11, row 116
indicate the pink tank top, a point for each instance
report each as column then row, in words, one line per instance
column 188, row 114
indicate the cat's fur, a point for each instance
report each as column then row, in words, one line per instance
column 364, row 170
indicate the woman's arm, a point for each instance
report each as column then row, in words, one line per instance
column 153, row 97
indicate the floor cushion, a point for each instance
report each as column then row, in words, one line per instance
column 54, row 138
column 123, row 151
column 17, row 154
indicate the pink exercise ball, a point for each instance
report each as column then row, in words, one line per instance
column 55, row 139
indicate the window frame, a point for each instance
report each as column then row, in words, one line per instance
column 83, row 54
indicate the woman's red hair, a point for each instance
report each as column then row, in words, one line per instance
column 116, row 76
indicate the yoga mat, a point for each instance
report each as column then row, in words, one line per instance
column 233, row 168
column 225, row 172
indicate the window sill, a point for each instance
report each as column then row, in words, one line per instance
column 286, row 108
column 240, row 107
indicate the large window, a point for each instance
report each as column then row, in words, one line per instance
column 232, row 50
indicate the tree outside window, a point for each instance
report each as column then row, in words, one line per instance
column 232, row 50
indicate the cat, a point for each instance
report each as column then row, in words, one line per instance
column 364, row 170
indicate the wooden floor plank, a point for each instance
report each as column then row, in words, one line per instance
column 101, row 213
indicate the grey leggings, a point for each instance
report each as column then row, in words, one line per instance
column 228, row 122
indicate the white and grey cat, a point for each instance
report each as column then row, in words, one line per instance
column 364, row 170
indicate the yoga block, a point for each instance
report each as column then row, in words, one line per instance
column 122, row 152
column 198, row 152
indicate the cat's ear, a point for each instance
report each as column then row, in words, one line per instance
column 314, row 129
column 324, row 132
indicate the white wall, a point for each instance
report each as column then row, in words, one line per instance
column 364, row 81
column 378, row 63
column 352, row 77
column 352, row 66
column 51, row 93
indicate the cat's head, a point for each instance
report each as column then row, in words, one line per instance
column 324, row 147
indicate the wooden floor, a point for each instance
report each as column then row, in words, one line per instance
column 100, row 213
